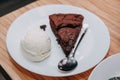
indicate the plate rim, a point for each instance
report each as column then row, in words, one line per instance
column 102, row 62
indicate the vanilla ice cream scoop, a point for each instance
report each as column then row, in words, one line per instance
column 37, row 45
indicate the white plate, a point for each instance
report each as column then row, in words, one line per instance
column 91, row 51
column 108, row 68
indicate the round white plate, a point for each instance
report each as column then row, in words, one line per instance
column 108, row 68
column 91, row 51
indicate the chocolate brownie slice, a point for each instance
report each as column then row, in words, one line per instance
column 66, row 28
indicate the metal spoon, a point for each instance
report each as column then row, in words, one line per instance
column 115, row 78
column 70, row 63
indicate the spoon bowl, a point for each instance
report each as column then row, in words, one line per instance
column 67, row 64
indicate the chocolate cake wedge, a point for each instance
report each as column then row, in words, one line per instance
column 66, row 28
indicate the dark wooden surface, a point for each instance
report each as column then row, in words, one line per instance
column 7, row 6
column 3, row 74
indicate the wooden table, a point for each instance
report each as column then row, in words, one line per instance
column 107, row 10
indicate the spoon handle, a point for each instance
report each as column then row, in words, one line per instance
column 78, row 42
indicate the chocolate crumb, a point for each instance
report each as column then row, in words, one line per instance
column 43, row 27
column 58, row 41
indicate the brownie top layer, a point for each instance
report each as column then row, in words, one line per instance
column 63, row 20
